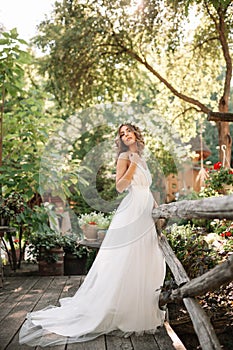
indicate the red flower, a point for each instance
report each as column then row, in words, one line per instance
column 217, row 165
column 231, row 171
column 228, row 233
column 92, row 223
column 222, row 234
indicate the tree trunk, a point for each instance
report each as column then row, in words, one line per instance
column 225, row 143
column 1, row 131
column 1, row 124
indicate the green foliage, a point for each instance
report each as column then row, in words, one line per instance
column 71, row 246
column 12, row 205
column 27, row 122
column 105, row 51
column 200, row 249
column 27, row 128
column 42, row 238
column 11, row 64
column 11, row 75
column 106, row 183
column 191, row 249
column 40, row 234
column 41, row 244
column 219, row 302
column 72, row 24
column 219, row 177
column 223, row 228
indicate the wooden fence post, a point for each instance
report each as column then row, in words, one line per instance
column 201, row 323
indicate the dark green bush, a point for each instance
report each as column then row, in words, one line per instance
column 191, row 248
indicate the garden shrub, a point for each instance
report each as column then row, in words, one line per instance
column 191, row 248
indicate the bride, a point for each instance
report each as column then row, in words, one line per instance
column 120, row 293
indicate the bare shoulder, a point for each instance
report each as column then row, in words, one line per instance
column 124, row 155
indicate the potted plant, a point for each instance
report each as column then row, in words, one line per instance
column 75, row 256
column 47, row 249
column 89, row 225
column 220, row 179
column 94, row 225
column 103, row 224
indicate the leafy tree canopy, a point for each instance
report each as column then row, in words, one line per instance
column 105, row 50
column 93, row 44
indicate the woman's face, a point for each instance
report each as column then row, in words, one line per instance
column 127, row 135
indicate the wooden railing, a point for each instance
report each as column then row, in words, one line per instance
column 208, row 208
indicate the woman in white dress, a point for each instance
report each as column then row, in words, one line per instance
column 120, row 293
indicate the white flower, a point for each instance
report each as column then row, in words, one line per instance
column 95, row 218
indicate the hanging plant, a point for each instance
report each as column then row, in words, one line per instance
column 219, row 178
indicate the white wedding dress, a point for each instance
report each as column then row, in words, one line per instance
column 121, row 290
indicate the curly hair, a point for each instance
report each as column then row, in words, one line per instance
column 121, row 147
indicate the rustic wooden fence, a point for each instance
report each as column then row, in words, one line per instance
column 208, row 208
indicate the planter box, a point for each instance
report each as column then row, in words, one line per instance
column 52, row 268
column 227, row 189
column 74, row 265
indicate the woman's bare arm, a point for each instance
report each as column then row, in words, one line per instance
column 124, row 174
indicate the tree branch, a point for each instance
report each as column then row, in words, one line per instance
column 183, row 113
column 180, row 95
column 226, row 53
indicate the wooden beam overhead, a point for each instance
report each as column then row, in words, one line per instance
column 220, row 117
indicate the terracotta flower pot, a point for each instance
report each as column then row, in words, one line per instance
column 90, row 232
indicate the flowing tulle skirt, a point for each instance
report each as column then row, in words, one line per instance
column 120, row 292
